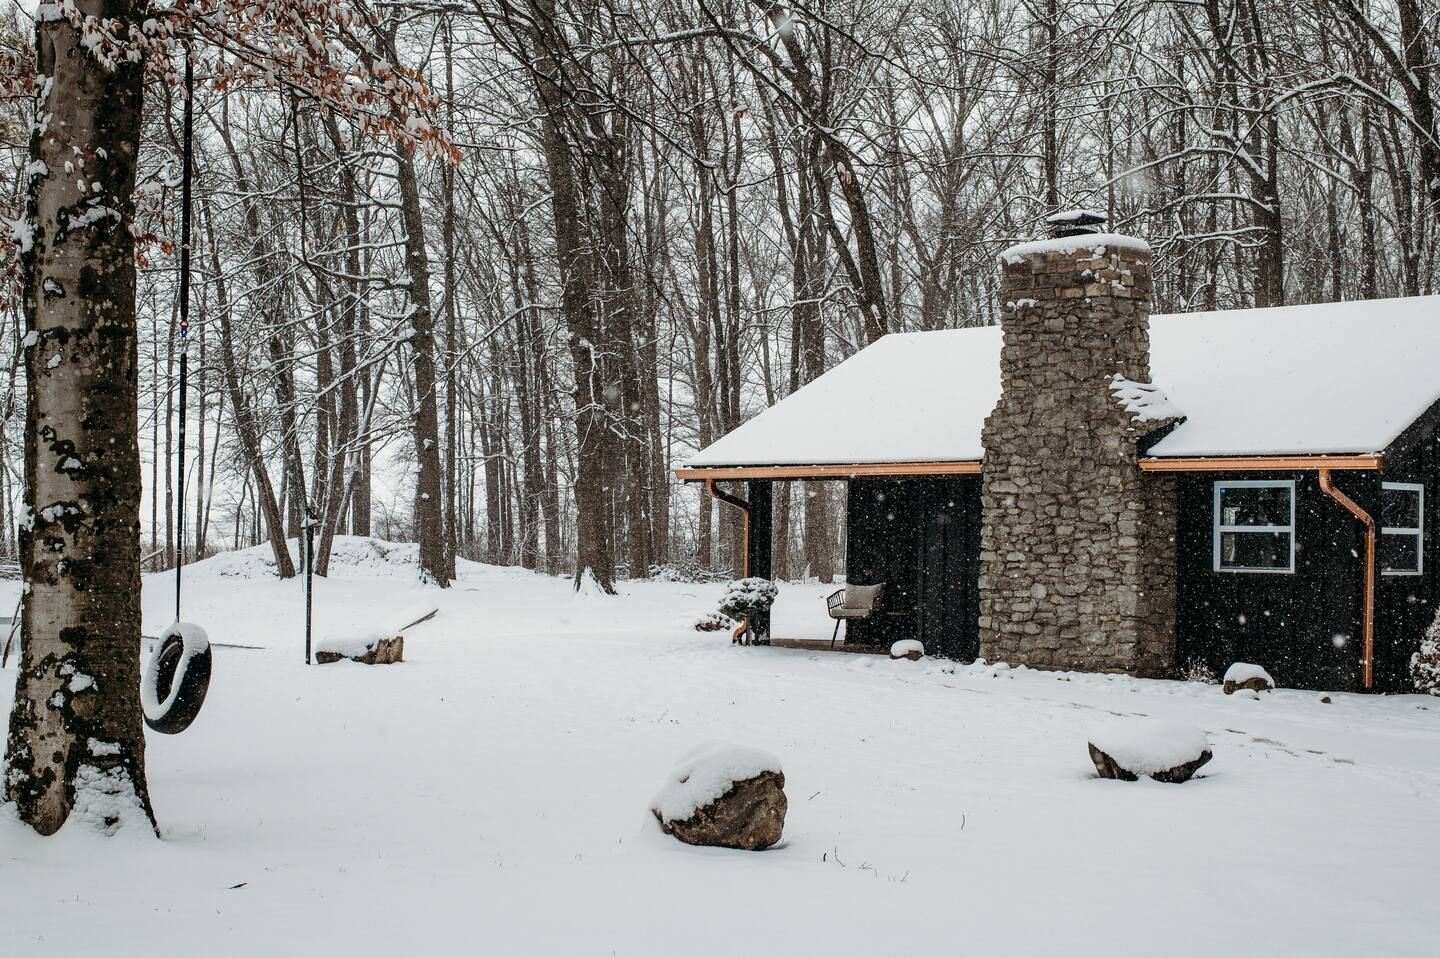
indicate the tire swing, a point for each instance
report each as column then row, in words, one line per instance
column 176, row 678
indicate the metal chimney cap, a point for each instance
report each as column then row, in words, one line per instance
column 1076, row 222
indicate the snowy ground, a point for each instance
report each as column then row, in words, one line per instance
column 489, row 796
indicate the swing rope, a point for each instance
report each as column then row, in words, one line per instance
column 185, row 176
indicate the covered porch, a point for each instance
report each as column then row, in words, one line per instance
column 915, row 527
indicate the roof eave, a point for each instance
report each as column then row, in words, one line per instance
column 973, row 467
column 957, row 467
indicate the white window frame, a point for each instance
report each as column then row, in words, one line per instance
column 1218, row 530
column 1418, row 531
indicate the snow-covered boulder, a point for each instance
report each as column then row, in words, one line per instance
column 912, row 649
column 1245, row 675
column 364, row 646
column 725, row 795
column 1165, row 751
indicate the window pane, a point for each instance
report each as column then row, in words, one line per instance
column 1255, row 550
column 1399, row 553
column 1400, row 508
column 1255, row 506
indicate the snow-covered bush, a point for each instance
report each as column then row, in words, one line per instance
column 745, row 597
column 711, row 622
column 684, row 569
column 1195, row 670
column 1425, row 664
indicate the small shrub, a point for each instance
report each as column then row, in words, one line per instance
column 1195, row 670
column 713, row 622
column 1425, row 664
column 745, row 597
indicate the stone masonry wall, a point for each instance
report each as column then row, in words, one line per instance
column 1077, row 545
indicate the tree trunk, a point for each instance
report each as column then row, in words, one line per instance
column 347, row 439
column 593, row 546
column 437, row 563
column 452, row 290
column 247, row 430
column 76, row 741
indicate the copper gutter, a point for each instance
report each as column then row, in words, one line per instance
column 744, row 508
column 956, row 467
column 1244, row 463
column 1367, row 625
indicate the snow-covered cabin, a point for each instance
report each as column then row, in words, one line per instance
column 1088, row 486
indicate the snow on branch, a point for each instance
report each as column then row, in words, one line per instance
column 317, row 49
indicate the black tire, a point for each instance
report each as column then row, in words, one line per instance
column 194, row 683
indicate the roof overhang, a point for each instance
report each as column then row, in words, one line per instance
column 972, row 467
column 964, row 467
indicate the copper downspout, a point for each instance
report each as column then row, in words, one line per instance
column 744, row 508
column 1367, row 674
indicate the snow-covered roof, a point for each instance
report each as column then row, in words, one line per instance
column 1334, row 378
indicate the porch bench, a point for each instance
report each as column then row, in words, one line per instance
column 851, row 603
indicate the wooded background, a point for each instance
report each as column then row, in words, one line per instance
column 669, row 214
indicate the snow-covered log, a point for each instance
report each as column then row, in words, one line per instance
column 364, row 646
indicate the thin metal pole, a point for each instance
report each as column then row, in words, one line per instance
column 185, row 176
column 309, row 573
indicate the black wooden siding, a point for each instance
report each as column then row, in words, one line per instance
column 1405, row 605
column 921, row 537
column 1303, row 627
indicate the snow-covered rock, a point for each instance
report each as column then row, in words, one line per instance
column 1247, row 675
column 1165, row 751
column 912, row 649
column 725, row 795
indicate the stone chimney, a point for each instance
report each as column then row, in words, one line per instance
column 1077, row 546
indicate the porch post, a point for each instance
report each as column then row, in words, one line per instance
column 757, row 546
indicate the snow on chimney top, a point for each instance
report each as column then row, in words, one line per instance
column 1075, row 223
